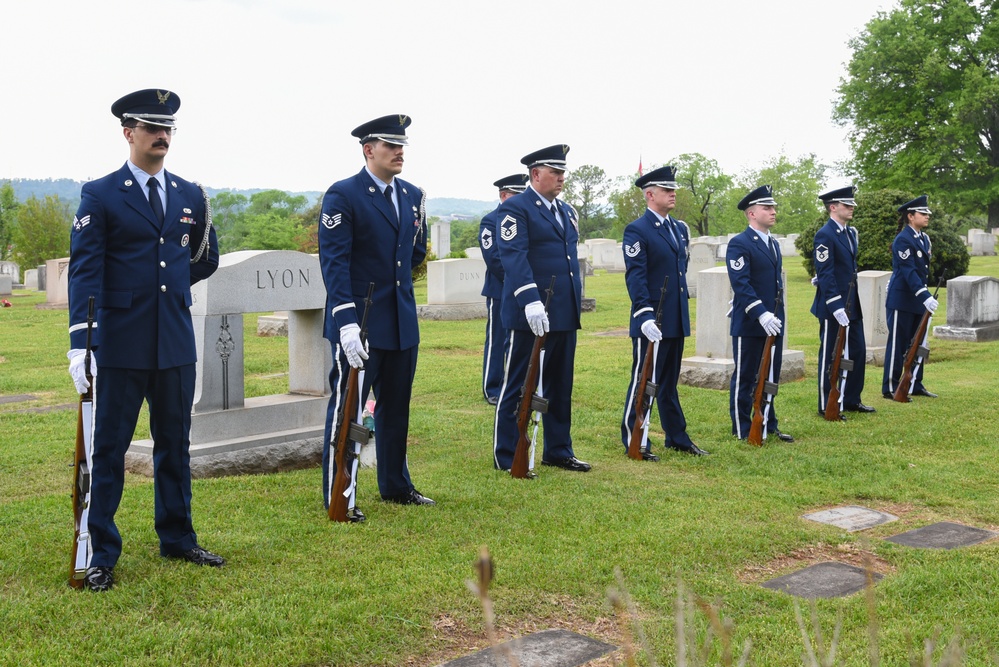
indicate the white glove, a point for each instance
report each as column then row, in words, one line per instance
column 815, row 281
column 76, row 370
column 651, row 331
column 537, row 318
column 771, row 325
column 840, row 315
column 350, row 341
column 931, row 304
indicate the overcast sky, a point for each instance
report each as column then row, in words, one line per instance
column 270, row 90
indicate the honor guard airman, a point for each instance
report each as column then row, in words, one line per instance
column 537, row 238
column 655, row 253
column 755, row 271
column 908, row 293
column 141, row 237
column 492, row 289
column 372, row 229
column 836, row 303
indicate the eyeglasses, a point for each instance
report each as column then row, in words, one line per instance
column 155, row 129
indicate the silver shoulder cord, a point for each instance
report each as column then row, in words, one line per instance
column 423, row 216
column 208, row 225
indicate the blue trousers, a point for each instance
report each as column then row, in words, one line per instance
column 666, row 374
column 855, row 350
column 389, row 373
column 748, row 351
column 557, row 375
column 492, row 353
column 119, row 395
column 902, row 326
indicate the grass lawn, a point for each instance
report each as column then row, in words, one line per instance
column 299, row 590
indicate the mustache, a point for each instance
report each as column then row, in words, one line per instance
column 161, row 142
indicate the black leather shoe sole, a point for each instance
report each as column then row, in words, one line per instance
column 693, row 450
column 924, row 392
column 414, row 497
column 859, row 407
column 571, row 464
column 783, row 437
column 99, row 579
column 200, row 556
column 649, row 456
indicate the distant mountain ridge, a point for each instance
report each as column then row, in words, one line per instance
column 69, row 190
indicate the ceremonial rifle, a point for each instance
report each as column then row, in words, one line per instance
column 839, row 364
column 765, row 389
column 646, row 389
column 350, row 435
column 80, row 555
column 917, row 354
column 530, row 403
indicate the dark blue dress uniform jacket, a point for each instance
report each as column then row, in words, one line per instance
column 910, row 266
column 650, row 241
column 492, row 287
column 835, row 267
column 755, row 273
column 361, row 241
column 140, row 273
column 533, row 247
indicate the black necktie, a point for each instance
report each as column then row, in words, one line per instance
column 849, row 237
column 154, row 199
column 672, row 232
column 773, row 247
column 555, row 213
column 391, row 203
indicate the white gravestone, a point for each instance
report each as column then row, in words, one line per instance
column 982, row 243
column 712, row 364
column 31, row 279
column 454, row 290
column 604, row 253
column 972, row 309
column 6, row 286
column 473, row 253
column 440, row 239
column 11, row 269
column 702, row 256
column 872, row 289
column 57, row 283
column 787, row 248
column 231, row 434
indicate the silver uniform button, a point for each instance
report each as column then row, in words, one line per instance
column 162, row 265
column 397, row 283
column 163, row 288
column 161, row 240
column 398, row 263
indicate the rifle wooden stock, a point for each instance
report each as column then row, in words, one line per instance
column 912, row 354
column 832, row 401
column 348, row 431
column 759, row 396
column 645, row 391
column 529, row 402
column 902, row 390
column 838, row 365
column 79, row 555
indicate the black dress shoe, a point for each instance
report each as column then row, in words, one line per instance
column 693, row 450
column 859, row 407
column 355, row 515
column 492, row 400
column 99, row 578
column 783, row 437
column 649, row 456
column 411, row 497
column 923, row 391
column 569, row 463
column 200, row 556
column 891, row 397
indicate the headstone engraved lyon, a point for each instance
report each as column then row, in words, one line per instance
column 232, row 434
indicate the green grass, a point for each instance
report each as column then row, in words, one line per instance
column 299, row 590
